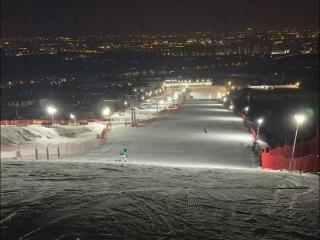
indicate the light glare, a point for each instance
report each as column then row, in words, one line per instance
column 300, row 118
column 51, row 110
column 106, row 111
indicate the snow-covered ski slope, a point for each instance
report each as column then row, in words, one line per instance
column 94, row 197
column 59, row 200
column 179, row 139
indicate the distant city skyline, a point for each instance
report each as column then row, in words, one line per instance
column 97, row 17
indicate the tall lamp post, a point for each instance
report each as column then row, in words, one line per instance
column 73, row 117
column 299, row 119
column 175, row 97
column 52, row 110
column 106, row 112
column 246, row 109
column 260, row 121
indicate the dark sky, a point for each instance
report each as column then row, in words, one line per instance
column 82, row 17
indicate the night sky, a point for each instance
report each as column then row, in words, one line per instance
column 83, row 17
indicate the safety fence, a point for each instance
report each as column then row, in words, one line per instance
column 25, row 122
column 56, row 122
column 306, row 157
column 308, row 163
column 54, row 151
column 302, row 149
column 40, row 151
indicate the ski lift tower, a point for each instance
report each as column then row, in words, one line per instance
column 132, row 100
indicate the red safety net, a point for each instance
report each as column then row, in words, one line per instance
column 306, row 157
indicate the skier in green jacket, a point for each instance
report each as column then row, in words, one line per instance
column 123, row 155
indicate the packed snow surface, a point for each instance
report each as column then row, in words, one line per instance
column 222, row 194
column 180, row 140
column 56, row 200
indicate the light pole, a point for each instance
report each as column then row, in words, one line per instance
column 157, row 105
column 260, row 121
column 246, row 109
column 72, row 117
column 106, row 112
column 51, row 110
column 299, row 118
column 175, row 96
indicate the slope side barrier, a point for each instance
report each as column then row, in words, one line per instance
column 309, row 163
column 49, row 151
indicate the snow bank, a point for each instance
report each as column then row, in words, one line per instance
column 13, row 135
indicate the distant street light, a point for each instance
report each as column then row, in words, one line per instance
column 299, row 118
column 142, row 98
column 229, row 83
column 51, row 110
column 246, row 109
column 260, row 121
column 125, row 103
column 231, row 107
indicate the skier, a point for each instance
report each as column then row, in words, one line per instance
column 205, row 130
column 123, row 155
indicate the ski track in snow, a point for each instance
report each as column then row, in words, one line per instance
column 142, row 202
column 93, row 197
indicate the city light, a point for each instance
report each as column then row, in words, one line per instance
column 142, row 98
column 125, row 103
column 246, row 109
column 229, row 83
column 231, row 107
